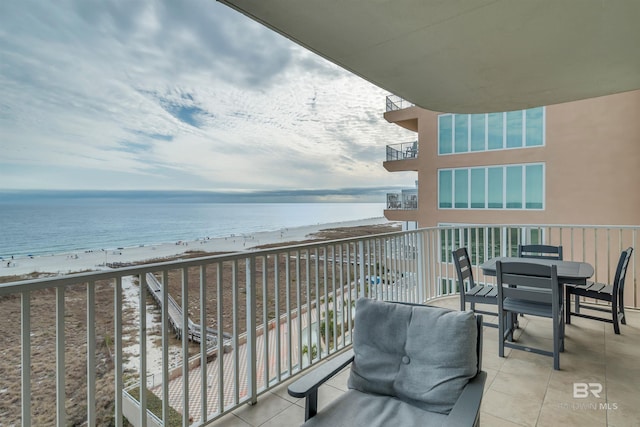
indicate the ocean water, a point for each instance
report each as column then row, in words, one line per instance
column 37, row 227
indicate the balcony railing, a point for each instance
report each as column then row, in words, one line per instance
column 394, row 102
column 406, row 200
column 269, row 314
column 402, row 151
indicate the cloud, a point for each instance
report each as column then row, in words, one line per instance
column 178, row 95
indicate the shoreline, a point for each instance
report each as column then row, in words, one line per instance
column 69, row 262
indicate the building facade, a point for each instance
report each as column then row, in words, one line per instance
column 572, row 163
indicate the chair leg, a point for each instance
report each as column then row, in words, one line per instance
column 510, row 325
column 556, row 344
column 501, row 320
column 562, row 331
column 462, row 302
column 614, row 313
column 623, row 320
column 567, row 302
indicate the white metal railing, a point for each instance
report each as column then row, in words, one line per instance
column 280, row 311
column 394, row 102
column 402, row 151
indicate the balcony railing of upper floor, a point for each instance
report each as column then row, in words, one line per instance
column 394, row 102
column 406, row 200
column 268, row 315
column 402, row 151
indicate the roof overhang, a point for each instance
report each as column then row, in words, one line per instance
column 470, row 55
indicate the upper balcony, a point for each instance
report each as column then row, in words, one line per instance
column 271, row 314
column 402, row 206
column 402, row 157
column 395, row 102
column 401, row 112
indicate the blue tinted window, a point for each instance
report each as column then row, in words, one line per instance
column 445, row 134
column 477, row 188
column 445, row 189
column 477, row 132
column 514, row 187
column 495, row 188
column 461, row 133
column 535, row 127
column 495, row 131
column 461, row 188
column 534, row 186
column 514, row 129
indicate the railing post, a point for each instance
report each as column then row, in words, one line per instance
column 361, row 272
column 420, row 258
column 252, row 379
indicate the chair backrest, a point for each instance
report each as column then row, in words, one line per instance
column 527, row 282
column 621, row 271
column 463, row 268
column 419, row 354
column 540, row 251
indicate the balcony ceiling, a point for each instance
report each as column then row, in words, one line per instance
column 470, row 55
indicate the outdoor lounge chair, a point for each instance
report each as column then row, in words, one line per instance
column 613, row 294
column 471, row 292
column 411, row 365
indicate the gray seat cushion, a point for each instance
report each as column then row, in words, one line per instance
column 356, row 409
column 420, row 355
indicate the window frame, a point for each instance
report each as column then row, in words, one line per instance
column 503, row 167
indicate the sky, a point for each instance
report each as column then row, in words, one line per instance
column 179, row 95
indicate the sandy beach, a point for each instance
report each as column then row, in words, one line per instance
column 100, row 259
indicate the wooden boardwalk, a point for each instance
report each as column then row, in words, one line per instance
column 193, row 331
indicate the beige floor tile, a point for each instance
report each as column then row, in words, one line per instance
column 230, row 420
column 281, row 391
column 505, row 406
column 293, row 416
column 491, row 375
column 522, row 385
column 269, row 405
column 623, row 415
column 488, row 420
column 577, row 414
column 529, row 364
column 560, row 404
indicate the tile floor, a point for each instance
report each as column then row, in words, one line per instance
column 522, row 388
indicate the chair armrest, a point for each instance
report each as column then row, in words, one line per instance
column 307, row 385
column 466, row 411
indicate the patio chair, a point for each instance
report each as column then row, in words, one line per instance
column 613, row 294
column 473, row 293
column 531, row 289
column 411, row 365
column 540, row 251
column 412, row 151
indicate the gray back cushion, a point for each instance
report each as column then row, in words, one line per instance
column 421, row 355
